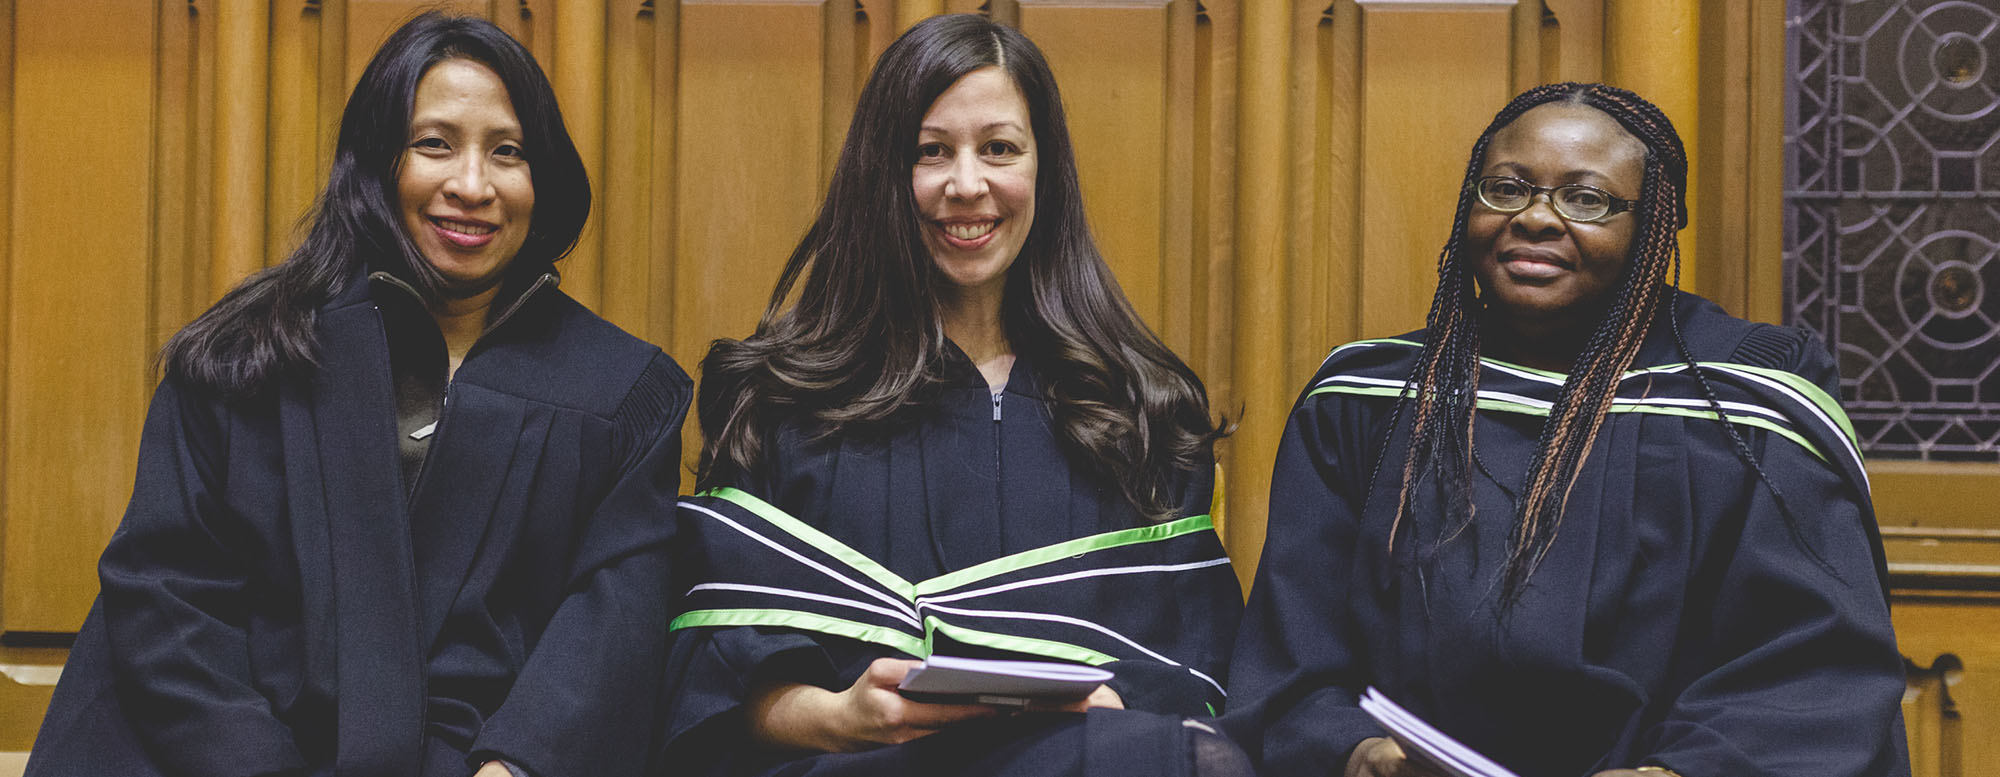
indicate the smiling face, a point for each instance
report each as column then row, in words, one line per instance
column 1536, row 270
column 466, row 194
column 974, row 180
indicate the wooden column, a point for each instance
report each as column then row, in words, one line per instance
column 242, row 64
column 1739, row 212
column 1571, row 42
column 296, row 169
column 1263, row 183
column 183, row 160
column 625, row 183
column 662, row 253
column 578, row 75
column 1654, row 48
column 8, row 42
column 1217, row 36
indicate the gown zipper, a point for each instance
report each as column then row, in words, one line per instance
column 999, row 480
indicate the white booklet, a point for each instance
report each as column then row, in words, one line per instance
column 953, row 680
column 1425, row 744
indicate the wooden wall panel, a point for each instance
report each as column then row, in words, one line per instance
column 1952, row 708
column 78, row 298
column 747, row 170
column 1417, row 128
column 1117, row 122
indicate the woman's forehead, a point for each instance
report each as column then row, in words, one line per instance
column 1558, row 139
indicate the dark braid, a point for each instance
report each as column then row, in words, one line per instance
column 1741, row 446
column 1446, row 376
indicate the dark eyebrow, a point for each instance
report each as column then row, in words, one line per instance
column 513, row 131
column 988, row 128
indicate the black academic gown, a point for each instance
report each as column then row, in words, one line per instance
column 1678, row 619
column 969, row 480
column 277, row 602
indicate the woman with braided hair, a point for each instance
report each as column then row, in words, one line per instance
column 1584, row 522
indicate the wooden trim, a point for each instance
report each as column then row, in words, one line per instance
column 1263, row 184
column 1579, row 41
column 578, row 76
column 1094, row 3
column 909, row 12
column 1308, row 286
column 1435, row 5
column 241, row 94
column 1934, row 533
column 1764, row 246
column 178, row 283
column 1343, row 192
column 1177, row 270
column 1934, row 495
column 625, row 189
column 1944, row 577
column 293, row 107
column 665, row 205
column 27, row 681
column 7, row 188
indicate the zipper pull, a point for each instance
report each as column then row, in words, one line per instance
column 996, row 407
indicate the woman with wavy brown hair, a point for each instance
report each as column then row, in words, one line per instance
column 949, row 435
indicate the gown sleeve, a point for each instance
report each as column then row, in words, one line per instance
column 583, row 703
column 1797, row 668
column 175, row 602
column 1298, row 669
column 1155, row 686
column 711, row 670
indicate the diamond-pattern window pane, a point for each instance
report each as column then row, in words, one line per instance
column 1892, row 215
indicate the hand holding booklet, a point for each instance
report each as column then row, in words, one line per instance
column 1425, row 744
column 952, row 680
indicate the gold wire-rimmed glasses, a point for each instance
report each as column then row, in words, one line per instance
column 1574, row 202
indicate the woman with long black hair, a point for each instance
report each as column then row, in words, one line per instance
column 1583, row 522
column 949, row 435
column 401, row 504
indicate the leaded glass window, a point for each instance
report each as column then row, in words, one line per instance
column 1892, row 215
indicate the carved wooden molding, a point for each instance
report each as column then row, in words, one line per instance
column 753, row 2
column 1093, row 3
column 1437, row 5
column 1941, row 533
